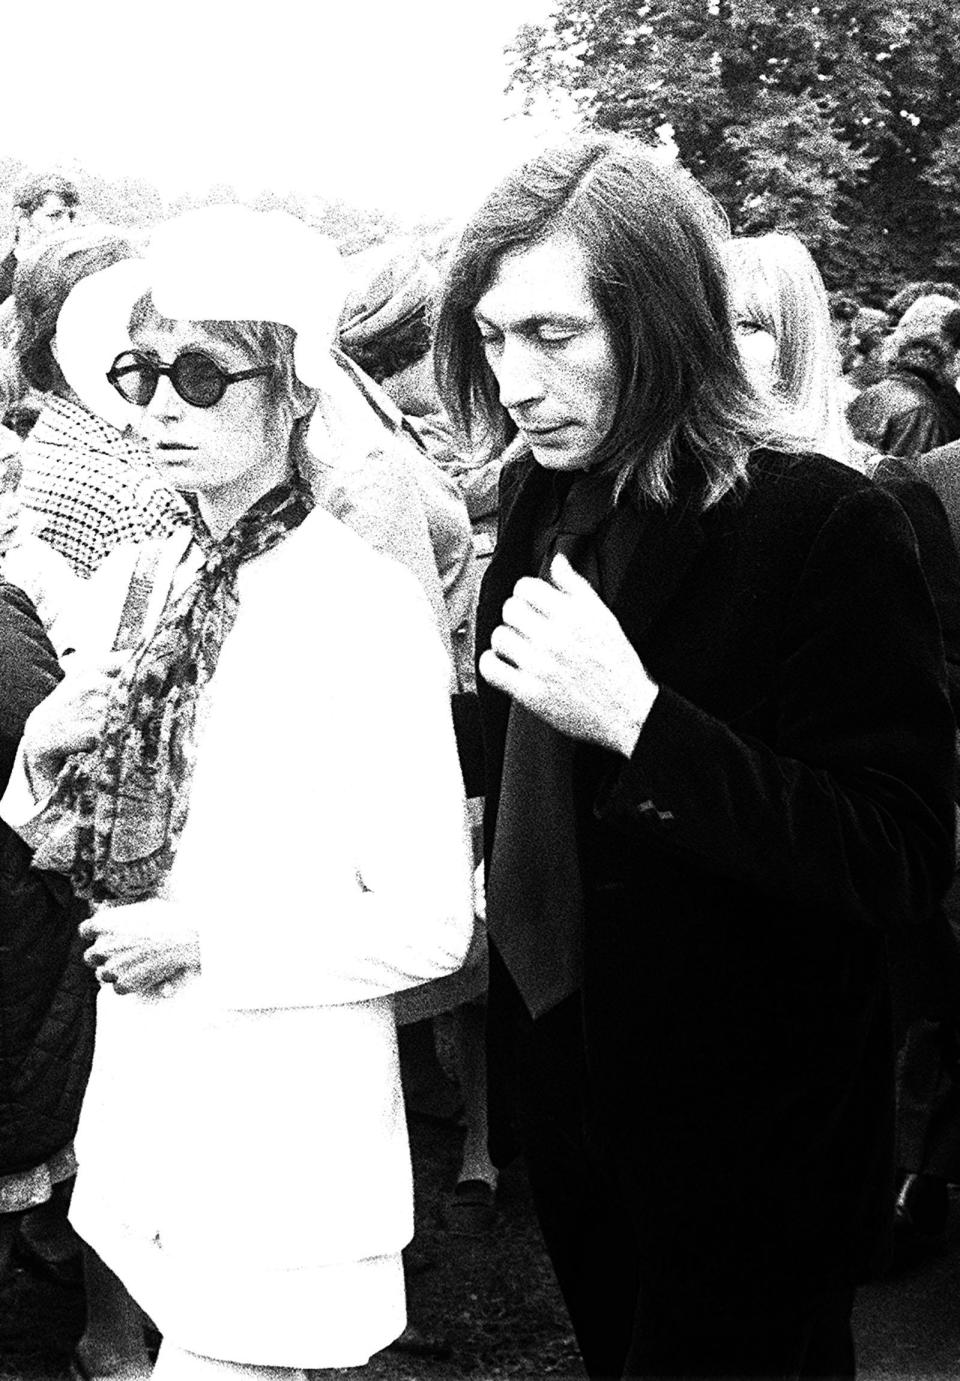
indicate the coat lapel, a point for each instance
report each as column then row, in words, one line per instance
column 520, row 495
column 521, row 487
column 658, row 550
column 666, row 544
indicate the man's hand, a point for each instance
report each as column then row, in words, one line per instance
column 70, row 719
column 561, row 653
column 138, row 947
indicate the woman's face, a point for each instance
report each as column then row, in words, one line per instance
column 755, row 340
column 231, row 453
column 757, row 346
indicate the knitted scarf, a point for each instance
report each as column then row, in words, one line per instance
column 118, row 810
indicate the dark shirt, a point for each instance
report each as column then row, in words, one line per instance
column 906, row 414
column 7, row 269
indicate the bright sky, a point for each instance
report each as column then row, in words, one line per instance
column 398, row 105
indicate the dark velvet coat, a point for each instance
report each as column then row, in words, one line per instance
column 789, row 802
column 47, row 995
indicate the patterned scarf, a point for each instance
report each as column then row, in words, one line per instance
column 118, row 810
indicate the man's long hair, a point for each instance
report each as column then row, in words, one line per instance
column 687, row 415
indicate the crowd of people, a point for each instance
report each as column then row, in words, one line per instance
column 557, row 630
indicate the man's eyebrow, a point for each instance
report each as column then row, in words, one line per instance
column 532, row 323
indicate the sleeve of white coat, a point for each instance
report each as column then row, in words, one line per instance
column 407, row 916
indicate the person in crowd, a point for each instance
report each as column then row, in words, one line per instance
column 42, row 204
column 86, row 487
column 910, row 292
column 925, row 964
column 384, row 330
column 786, row 338
column 243, row 1156
column 915, row 407
column 940, row 469
column 385, row 327
column 843, row 312
column 719, row 769
column 385, row 336
column 862, row 354
column 25, row 559
column 47, row 994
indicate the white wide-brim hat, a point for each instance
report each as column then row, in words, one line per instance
column 216, row 263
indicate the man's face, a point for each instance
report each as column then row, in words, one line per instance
column 53, row 213
column 550, row 351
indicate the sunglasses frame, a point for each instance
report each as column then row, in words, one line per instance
column 140, row 362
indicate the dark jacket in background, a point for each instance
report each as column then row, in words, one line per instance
column 911, row 483
column 8, row 267
column 940, row 469
column 46, row 992
column 925, row 963
column 909, row 412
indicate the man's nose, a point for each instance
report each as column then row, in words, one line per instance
column 519, row 375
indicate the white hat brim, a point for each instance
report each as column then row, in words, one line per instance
column 93, row 328
column 217, row 263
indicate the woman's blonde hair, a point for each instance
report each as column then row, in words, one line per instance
column 776, row 285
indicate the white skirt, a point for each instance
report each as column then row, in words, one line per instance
column 312, row 1316
column 247, row 1176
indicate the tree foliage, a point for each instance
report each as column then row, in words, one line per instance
column 838, row 121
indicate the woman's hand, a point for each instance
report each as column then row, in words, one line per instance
column 140, row 946
column 69, row 720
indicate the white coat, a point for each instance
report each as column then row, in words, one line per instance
column 243, row 1153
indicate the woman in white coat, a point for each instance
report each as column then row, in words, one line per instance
column 270, row 828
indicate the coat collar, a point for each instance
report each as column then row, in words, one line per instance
column 665, row 543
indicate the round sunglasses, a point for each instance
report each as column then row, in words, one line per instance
column 196, row 378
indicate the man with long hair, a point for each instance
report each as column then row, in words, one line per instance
column 718, row 770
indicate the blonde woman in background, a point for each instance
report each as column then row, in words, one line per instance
column 783, row 329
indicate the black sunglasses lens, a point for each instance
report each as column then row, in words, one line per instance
column 199, row 380
column 134, row 378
